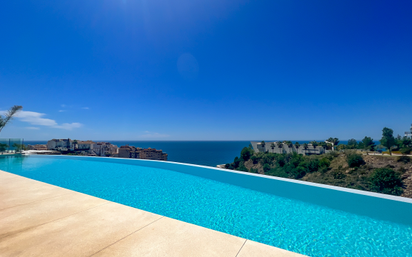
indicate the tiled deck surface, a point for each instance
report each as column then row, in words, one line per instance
column 39, row 219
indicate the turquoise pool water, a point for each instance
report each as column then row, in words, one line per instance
column 290, row 224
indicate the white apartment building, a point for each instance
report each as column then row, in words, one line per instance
column 105, row 149
column 409, row 134
column 60, row 144
column 84, row 145
column 279, row 147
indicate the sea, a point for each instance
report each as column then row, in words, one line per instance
column 208, row 153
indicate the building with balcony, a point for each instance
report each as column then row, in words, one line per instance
column 127, row 151
column 60, row 145
column 279, row 147
column 84, row 145
column 105, row 149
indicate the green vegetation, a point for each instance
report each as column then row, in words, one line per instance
column 246, row 153
column 388, row 140
column 354, row 160
column 399, row 145
column 347, row 167
column 8, row 116
column 3, row 147
column 387, row 181
column 368, row 144
column 333, row 142
column 284, row 165
column 404, row 159
column 19, row 147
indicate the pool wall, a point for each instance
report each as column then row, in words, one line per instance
column 380, row 206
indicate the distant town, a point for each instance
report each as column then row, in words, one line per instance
column 90, row 148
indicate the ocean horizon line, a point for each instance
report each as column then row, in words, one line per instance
column 212, row 140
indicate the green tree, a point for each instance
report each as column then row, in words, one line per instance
column 406, row 142
column 379, row 148
column 266, row 167
column 246, row 153
column 342, row 147
column 352, row 143
column 280, row 144
column 262, row 143
column 272, row 145
column 388, row 140
column 8, row 116
column 387, row 181
column 3, row 147
column 236, row 162
column 334, row 141
column 368, row 144
column 314, row 144
column 398, row 142
column 297, row 145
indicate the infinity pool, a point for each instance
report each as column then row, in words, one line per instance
column 288, row 223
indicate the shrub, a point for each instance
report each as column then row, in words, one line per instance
column 281, row 162
column 313, row 165
column 278, row 173
column 298, row 172
column 338, row 174
column 404, row 159
column 387, row 181
column 266, row 167
column 236, row 162
column 254, row 159
column 355, row 160
column 324, row 163
column 253, row 170
column 246, row 153
column 331, row 155
column 242, row 168
column 405, row 150
column 267, row 158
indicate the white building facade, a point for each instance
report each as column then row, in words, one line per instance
column 105, row 149
column 409, row 134
column 279, row 147
column 60, row 144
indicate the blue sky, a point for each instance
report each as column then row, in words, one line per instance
column 206, row 69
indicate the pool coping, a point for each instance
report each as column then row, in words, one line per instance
column 43, row 219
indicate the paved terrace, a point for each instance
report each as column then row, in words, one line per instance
column 39, row 219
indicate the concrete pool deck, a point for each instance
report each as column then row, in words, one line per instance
column 39, row 219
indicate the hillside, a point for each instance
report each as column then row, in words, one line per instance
column 350, row 168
